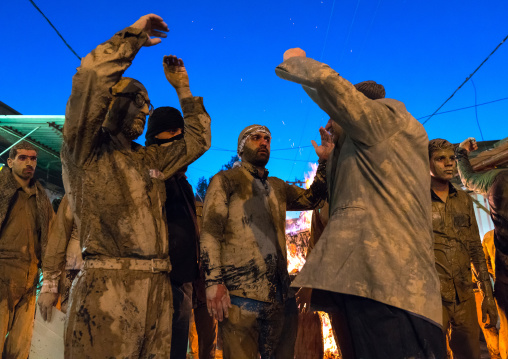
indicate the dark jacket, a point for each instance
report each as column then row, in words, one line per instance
column 182, row 228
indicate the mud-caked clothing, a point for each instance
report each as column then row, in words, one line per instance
column 243, row 246
column 65, row 259
column 378, row 243
column 494, row 184
column 118, row 209
column 243, row 242
column 25, row 218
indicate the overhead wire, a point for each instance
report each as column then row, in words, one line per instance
column 463, row 108
column 476, row 110
column 57, row 32
column 466, row 80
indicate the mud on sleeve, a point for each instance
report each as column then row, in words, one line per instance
column 215, row 216
column 53, row 261
column 88, row 104
column 364, row 120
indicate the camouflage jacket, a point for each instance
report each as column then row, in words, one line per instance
column 243, row 241
column 378, row 243
column 457, row 244
column 117, row 206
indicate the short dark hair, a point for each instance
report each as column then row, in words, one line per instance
column 439, row 144
column 23, row 145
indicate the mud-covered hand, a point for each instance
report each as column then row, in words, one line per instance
column 46, row 303
column 154, row 26
column 469, row 144
column 303, row 299
column 326, row 148
column 175, row 72
column 295, row 52
column 489, row 312
column 218, row 301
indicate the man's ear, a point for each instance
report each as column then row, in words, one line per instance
column 9, row 162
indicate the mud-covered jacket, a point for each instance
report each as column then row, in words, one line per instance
column 378, row 243
column 243, row 237
column 22, row 275
column 63, row 249
column 117, row 206
column 457, row 245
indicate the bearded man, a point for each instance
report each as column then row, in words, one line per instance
column 121, row 302
column 243, row 249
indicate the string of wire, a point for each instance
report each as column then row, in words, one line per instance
column 57, row 32
column 466, row 80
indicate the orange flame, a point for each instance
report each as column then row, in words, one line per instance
column 330, row 347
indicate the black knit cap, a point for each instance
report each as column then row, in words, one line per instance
column 371, row 89
column 163, row 119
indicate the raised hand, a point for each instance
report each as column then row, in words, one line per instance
column 325, row 149
column 175, row 72
column 153, row 26
column 469, row 144
column 218, row 301
column 295, row 52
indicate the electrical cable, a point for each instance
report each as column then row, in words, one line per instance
column 466, row 80
column 54, row 28
column 463, row 108
column 476, row 110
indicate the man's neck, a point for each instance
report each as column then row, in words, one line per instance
column 123, row 141
column 24, row 183
column 261, row 171
column 441, row 188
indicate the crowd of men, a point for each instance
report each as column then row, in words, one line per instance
column 129, row 252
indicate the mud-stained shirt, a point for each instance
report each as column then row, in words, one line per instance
column 457, row 245
column 20, row 248
column 116, row 205
column 243, row 236
column 378, row 243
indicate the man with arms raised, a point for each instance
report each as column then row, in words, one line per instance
column 121, row 303
column 375, row 258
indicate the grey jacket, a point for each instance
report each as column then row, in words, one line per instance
column 378, row 243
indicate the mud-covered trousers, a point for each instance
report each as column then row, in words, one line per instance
column 19, row 323
column 498, row 201
column 254, row 327
column 460, row 324
column 119, row 314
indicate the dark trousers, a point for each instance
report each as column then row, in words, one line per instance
column 368, row 329
column 206, row 329
column 182, row 304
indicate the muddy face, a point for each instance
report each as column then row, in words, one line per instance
column 443, row 165
column 125, row 115
column 257, row 149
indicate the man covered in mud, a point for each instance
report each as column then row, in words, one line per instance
column 165, row 126
column 121, row 302
column 457, row 245
column 62, row 263
column 375, row 258
column 25, row 217
column 494, row 185
column 243, row 249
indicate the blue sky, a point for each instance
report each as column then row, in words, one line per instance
column 420, row 51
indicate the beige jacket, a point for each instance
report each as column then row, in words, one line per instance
column 378, row 243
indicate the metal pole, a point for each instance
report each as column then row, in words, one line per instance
column 21, row 139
